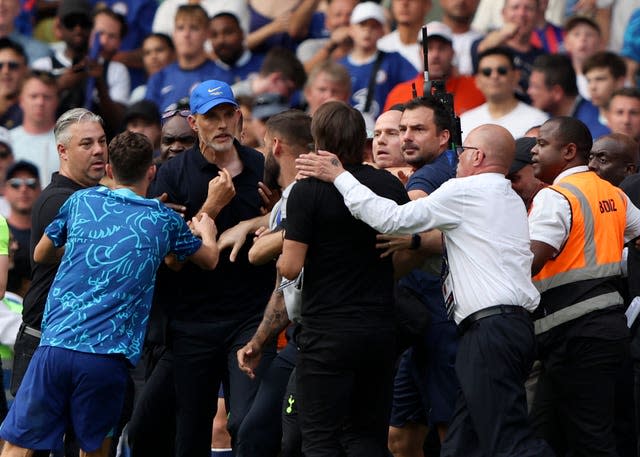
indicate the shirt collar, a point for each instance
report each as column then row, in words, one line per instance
column 204, row 164
column 243, row 60
column 571, row 171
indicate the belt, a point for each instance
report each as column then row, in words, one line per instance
column 31, row 331
column 472, row 318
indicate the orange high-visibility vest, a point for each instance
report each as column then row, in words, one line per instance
column 578, row 280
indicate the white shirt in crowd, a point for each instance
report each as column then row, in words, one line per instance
column 517, row 122
column 391, row 43
column 480, row 216
column 39, row 149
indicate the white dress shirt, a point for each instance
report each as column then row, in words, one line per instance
column 485, row 229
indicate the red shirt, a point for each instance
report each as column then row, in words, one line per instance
column 465, row 93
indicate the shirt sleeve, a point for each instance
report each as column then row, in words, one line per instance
column 631, row 42
column 550, row 218
column 184, row 243
column 57, row 229
column 300, row 206
column 4, row 237
column 441, row 209
column 632, row 228
column 119, row 82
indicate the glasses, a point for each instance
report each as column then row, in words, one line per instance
column 13, row 65
column 74, row 20
column 501, row 70
column 176, row 112
column 460, row 149
column 16, row 183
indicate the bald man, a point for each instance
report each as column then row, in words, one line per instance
column 479, row 215
column 614, row 157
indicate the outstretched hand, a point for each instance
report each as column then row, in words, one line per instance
column 323, row 165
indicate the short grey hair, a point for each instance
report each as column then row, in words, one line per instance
column 70, row 117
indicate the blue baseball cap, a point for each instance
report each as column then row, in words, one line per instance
column 209, row 94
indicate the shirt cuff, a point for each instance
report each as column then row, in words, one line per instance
column 345, row 182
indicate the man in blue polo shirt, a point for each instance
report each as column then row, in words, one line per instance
column 213, row 314
column 111, row 243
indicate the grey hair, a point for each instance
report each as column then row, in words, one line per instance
column 70, row 117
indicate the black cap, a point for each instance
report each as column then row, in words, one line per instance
column 267, row 105
column 574, row 21
column 22, row 165
column 144, row 109
column 523, row 153
column 78, row 7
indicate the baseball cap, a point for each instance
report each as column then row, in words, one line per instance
column 5, row 138
column 69, row 7
column 144, row 109
column 209, row 94
column 575, row 21
column 367, row 10
column 22, row 165
column 437, row 29
column 523, row 154
column 267, row 105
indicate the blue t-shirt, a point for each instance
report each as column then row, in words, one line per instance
column 631, row 43
column 172, row 83
column 427, row 179
column 588, row 113
column 394, row 69
column 242, row 68
column 114, row 242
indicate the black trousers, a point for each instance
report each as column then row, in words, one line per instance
column 575, row 401
column 344, row 387
column 205, row 355
column 490, row 418
column 152, row 428
column 260, row 434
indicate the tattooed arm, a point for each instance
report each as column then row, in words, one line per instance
column 275, row 319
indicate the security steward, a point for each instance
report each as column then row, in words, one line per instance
column 578, row 227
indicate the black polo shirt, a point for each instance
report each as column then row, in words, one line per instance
column 233, row 290
column 44, row 210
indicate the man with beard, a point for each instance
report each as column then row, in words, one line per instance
column 213, row 313
column 232, row 57
column 288, row 135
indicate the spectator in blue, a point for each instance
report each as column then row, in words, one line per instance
column 33, row 48
column 373, row 73
column 631, row 47
column 111, row 243
column 227, row 40
column 192, row 65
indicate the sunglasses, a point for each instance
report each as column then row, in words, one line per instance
column 16, row 183
column 13, row 66
column 501, row 71
column 74, row 20
column 175, row 112
column 460, row 149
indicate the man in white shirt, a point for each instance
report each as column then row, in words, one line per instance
column 497, row 78
column 488, row 295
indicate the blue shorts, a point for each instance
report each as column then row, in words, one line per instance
column 63, row 387
column 426, row 386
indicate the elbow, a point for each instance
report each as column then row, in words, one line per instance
column 287, row 270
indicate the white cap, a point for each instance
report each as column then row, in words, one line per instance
column 435, row 28
column 368, row 10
